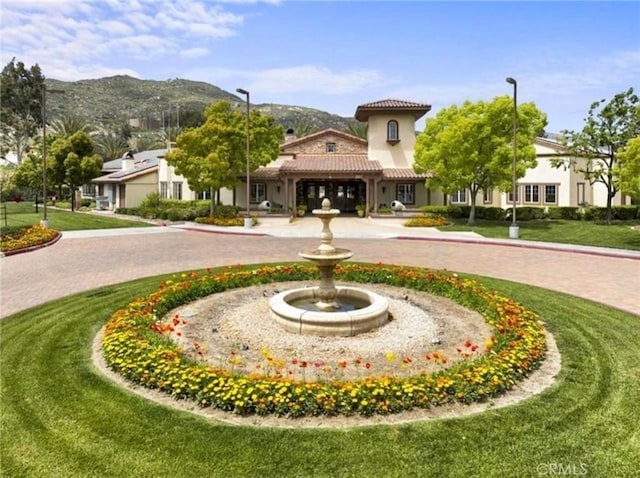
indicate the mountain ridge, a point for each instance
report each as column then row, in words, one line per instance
column 116, row 99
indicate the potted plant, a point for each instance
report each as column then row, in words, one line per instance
column 361, row 209
column 302, row 209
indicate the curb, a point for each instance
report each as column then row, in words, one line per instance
column 622, row 254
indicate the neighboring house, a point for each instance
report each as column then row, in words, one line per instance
column 350, row 171
column 126, row 181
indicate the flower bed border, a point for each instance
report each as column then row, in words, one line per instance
column 136, row 346
column 33, row 247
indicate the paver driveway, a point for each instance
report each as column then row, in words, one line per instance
column 84, row 263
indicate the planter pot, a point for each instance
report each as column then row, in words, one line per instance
column 360, row 213
column 301, row 213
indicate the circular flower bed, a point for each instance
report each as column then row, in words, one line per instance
column 136, row 345
column 26, row 237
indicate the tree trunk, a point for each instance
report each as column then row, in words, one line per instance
column 610, row 195
column 472, row 211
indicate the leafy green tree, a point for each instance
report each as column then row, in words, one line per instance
column 20, row 105
column 28, row 175
column 628, row 168
column 213, row 156
column 73, row 162
column 595, row 150
column 471, row 147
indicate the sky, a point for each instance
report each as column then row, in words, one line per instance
column 334, row 56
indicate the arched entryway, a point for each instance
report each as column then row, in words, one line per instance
column 344, row 194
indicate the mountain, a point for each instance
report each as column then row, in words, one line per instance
column 116, row 99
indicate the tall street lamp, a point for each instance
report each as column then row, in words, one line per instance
column 514, row 229
column 45, row 220
column 248, row 222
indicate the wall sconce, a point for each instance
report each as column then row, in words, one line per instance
column 384, row 189
column 278, row 188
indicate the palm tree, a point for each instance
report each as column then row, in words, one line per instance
column 110, row 145
column 301, row 129
column 68, row 125
column 147, row 142
column 357, row 128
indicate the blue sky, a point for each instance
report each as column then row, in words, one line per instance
column 334, row 56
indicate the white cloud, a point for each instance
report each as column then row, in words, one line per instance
column 194, row 52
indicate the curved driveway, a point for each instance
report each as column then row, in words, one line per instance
column 86, row 260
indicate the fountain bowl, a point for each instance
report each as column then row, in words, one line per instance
column 371, row 312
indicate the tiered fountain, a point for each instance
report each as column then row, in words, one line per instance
column 328, row 310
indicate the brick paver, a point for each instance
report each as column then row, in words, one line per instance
column 74, row 265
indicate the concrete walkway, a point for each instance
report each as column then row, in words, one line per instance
column 86, row 260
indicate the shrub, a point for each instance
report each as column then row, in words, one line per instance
column 625, row 213
column 151, row 201
column 529, row 213
column 435, row 210
column 427, row 221
column 594, row 213
column 490, row 213
column 225, row 211
column 564, row 212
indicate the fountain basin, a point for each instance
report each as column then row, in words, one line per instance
column 369, row 311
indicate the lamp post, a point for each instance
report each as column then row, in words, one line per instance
column 248, row 222
column 514, row 229
column 45, row 220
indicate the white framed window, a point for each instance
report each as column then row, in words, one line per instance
column 331, row 147
column 204, row 195
column 393, row 133
column 405, row 193
column 177, row 190
column 258, row 192
column 532, row 193
column 88, row 190
column 550, row 194
column 487, row 196
column 510, row 196
column 164, row 190
column 459, row 197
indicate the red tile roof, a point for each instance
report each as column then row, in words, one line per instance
column 331, row 163
column 418, row 109
column 403, row 173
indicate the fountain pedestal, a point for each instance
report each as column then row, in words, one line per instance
column 328, row 310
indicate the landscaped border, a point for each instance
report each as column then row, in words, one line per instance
column 32, row 238
column 136, row 345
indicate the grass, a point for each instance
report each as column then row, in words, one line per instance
column 62, row 418
column 23, row 214
column 587, row 233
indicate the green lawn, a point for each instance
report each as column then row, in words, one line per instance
column 620, row 235
column 23, row 214
column 60, row 417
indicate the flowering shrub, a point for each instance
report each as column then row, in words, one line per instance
column 136, row 345
column 223, row 221
column 26, row 237
column 427, row 221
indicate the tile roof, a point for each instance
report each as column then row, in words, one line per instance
column 331, row 163
column 403, row 173
column 265, row 173
column 418, row 109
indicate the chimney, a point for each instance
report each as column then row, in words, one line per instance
column 289, row 135
column 127, row 161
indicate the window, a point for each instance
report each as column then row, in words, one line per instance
column 581, row 198
column 487, row 196
column 331, row 147
column 88, row 190
column 393, row 135
column 532, row 193
column 177, row 190
column 164, row 190
column 204, row 195
column 405, row 193
column 510, row 196
column 258, row 192
column 550, row 194
column 459, row 197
